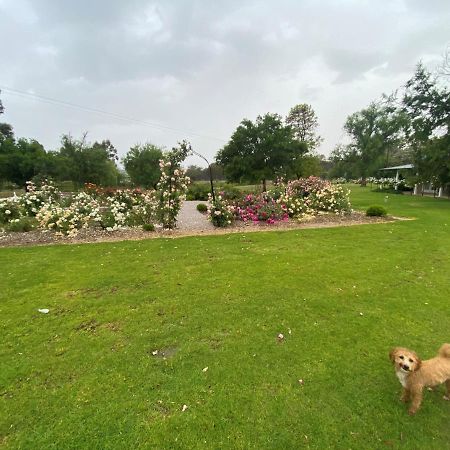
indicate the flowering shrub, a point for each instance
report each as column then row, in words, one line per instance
column 34, row 197
column 82, row 212
column 10, row 210
column 220, row 213
column 172, row 186
column 108, row 208
column 300, row 199
column 308, row 196
column 14, row 209
column 390, row 183
column 261, row 208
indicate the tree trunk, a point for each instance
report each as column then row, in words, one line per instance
column 264, row 185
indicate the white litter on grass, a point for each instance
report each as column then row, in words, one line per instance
column 280, row 336
column 44, row 311
column 155, row 352
column 301, row 381
column 184, row 408
column 205, row 369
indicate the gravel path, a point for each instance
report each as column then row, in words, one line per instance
column 189, row 219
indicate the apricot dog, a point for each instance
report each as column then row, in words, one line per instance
column 414, row 374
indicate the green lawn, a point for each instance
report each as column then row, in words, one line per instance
column 84, row 376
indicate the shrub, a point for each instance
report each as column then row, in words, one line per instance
column 311, row 195
column 201, row 207
column 10, row 210
column 198, row 191
column 148, row 227
column 376, row 211
column 261, row 208
column 220, row 213
column 230, row 192
column 82, row 212
column 22, row 225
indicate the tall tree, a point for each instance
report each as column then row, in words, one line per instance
column 142, row 164
column 89, row 163
column 374, row 132
column 304, row 122
column 427, row 104
column 6, row 130
column 260, row 150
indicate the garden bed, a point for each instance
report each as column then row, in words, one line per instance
column 91, row 235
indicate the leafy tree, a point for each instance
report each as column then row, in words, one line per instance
column 304, row 122
column 6, row 130
column 196, row 173
column 375, row 131
column 344, row 161
column 310, row 165
column 88, row 163
column 428, row 106
column 142, row 164
column 260, row 150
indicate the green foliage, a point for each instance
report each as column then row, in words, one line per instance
column 201, row 207
column 83, row 162
column 198, row 191
column 374, row 131
column 148, row 227
column 142, row 165
column 24, row 224
column 260, row 150
column 220, row 213
column 428, row 107
column 196, row 173
column 376, row 211
column 173, row 184
column 304, row 122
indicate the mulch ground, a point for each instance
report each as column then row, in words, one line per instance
column 38, row 237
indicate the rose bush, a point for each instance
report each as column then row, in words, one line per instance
column 298, row 199
column 220, row 213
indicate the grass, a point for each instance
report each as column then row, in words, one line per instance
column 84, row 376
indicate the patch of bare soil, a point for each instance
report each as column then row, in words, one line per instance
column 37, row 237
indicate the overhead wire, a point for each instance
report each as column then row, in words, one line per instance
column 49, row 100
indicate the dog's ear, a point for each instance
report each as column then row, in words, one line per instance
column 392, row 354
column 418, row 362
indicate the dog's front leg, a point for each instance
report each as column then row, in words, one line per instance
column 405, row 395
column 416, row 394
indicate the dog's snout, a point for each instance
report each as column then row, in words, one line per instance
column 405, row 366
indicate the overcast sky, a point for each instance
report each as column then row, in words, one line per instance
column 197, row 68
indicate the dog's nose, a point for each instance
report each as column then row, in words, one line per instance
column 405, row 367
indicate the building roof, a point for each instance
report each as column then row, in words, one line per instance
column 405, row 166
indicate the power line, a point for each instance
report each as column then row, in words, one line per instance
column 55, row 101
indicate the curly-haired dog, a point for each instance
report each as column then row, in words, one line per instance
column 415, row 374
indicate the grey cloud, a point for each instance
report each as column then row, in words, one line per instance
column 203, row 66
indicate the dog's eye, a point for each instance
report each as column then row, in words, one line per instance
column 410, row 360
column 401, row 357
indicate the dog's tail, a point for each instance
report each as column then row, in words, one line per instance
column 445, row 351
